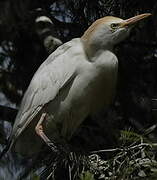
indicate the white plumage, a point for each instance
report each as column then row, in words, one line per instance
column 78, row 79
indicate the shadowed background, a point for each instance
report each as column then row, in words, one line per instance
column 26, row 39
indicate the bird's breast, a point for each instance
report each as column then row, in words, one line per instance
column 95, row 85
column 104, row 85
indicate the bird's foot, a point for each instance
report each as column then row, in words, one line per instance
column 40, row 132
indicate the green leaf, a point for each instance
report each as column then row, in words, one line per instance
column 35, row 177
column 87, row 176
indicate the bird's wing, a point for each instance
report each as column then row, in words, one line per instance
column 58, row 70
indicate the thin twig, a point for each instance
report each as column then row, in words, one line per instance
column 106, row 150
column 121, row 149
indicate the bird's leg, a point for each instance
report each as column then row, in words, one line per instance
column 40, row 132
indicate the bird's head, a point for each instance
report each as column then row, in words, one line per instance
column 104, row 33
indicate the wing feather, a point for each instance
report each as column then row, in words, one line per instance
column 59, row 68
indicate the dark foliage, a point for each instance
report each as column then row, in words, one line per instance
column 22, row 52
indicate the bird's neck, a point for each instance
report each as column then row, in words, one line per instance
column 93, row 50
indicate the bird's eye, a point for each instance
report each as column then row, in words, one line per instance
column 114, row 25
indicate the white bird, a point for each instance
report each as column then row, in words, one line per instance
column 76, row 80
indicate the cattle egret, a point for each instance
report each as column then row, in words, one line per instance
column 76, row 80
